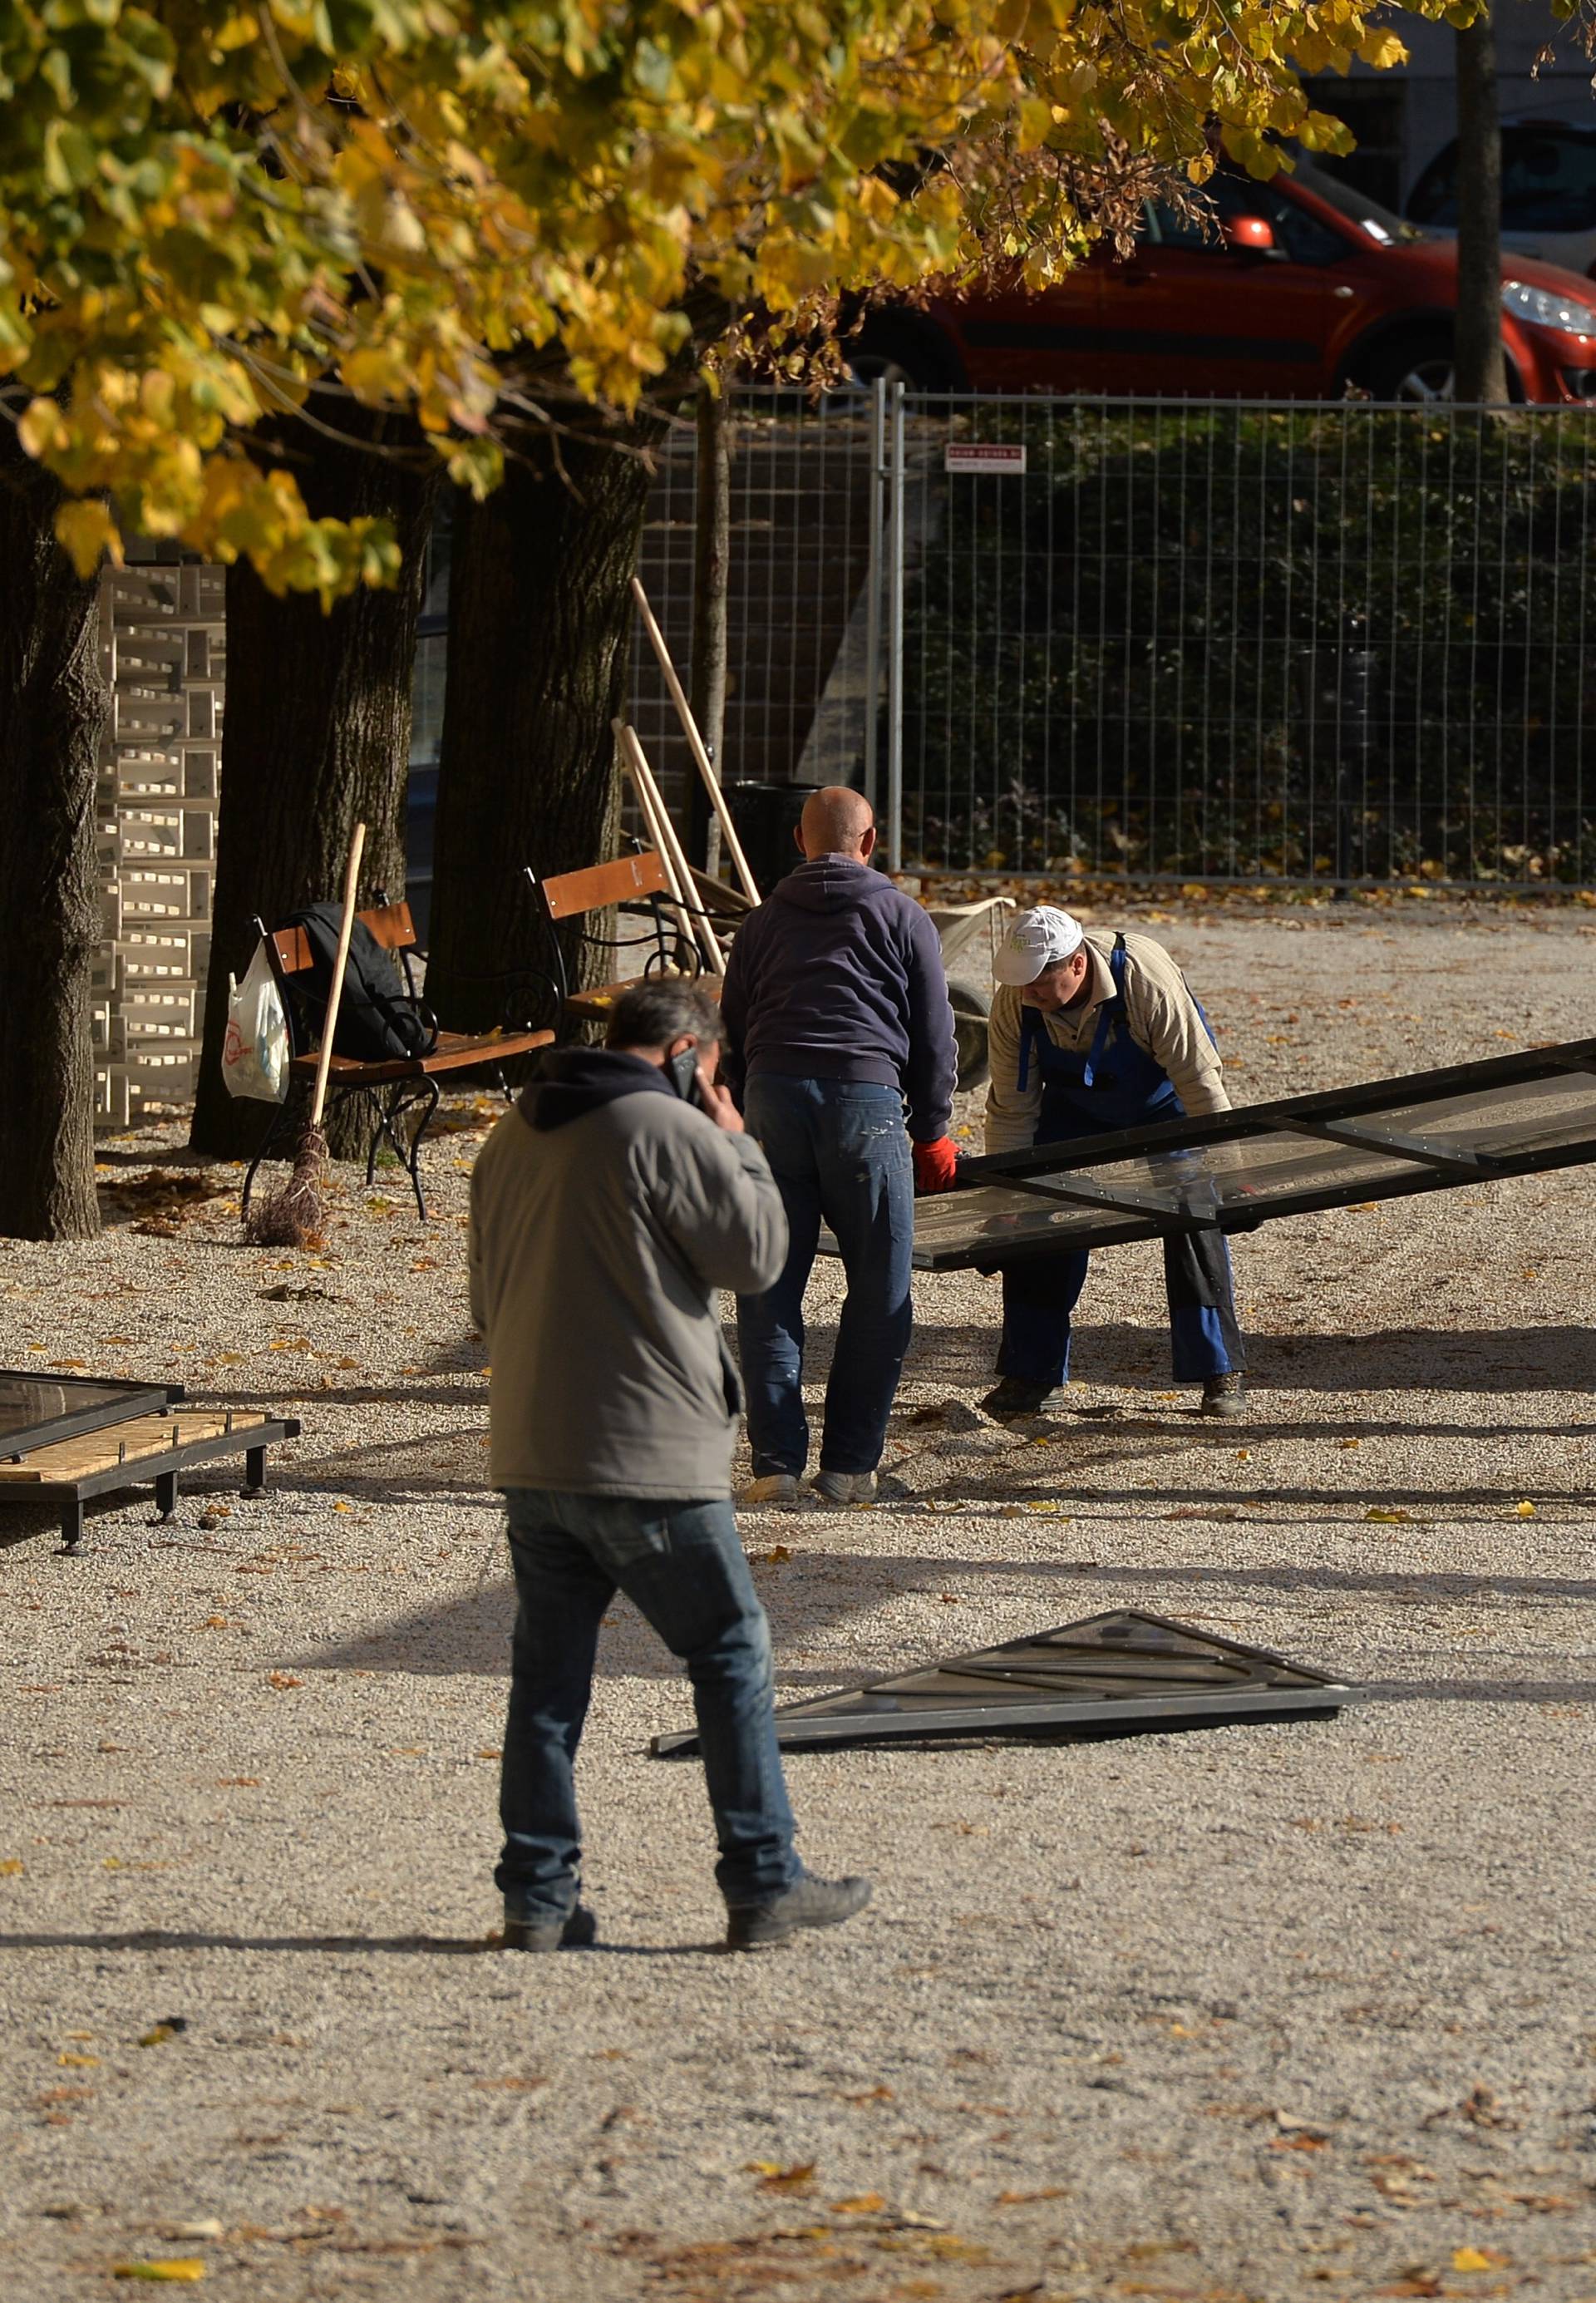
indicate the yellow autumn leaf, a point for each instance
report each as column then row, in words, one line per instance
column 1525, row 1510
column 13, row 1868
column 88, row 533
column 1473, row 2259
column 868, row 2203
column 183, row 2270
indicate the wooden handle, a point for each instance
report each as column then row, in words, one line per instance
column 663, row 833
column 695, row 743
column 346, row 929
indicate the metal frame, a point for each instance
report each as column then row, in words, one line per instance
column 131, row 1399
column 159, row 1471
column 1264, row 1685
column 666, row 952
column 1332, row 1116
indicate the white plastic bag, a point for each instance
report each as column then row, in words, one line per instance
column 255, row 1052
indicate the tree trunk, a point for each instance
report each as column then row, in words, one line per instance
column 1480, row 376
column 53, row 702
column 317, row 738
column 711, row 559
column 538, row 617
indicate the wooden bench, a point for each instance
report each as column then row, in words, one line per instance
column 400, row 1084
column 636, row 884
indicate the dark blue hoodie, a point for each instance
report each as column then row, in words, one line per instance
column 838, row 976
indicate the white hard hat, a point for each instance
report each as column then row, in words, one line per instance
column 1038, row 939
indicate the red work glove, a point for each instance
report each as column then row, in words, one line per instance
column 936, row 1166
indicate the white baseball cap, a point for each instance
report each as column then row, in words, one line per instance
column 1038, row 939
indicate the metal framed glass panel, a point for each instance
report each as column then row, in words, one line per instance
column 1122, row 1667
column 1230, row 1172
column 36, row 1410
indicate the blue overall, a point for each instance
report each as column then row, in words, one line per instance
column 1115, row 1085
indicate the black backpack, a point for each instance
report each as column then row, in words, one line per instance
column 377, row 1019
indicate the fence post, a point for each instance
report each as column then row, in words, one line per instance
column 874, row 579
column 894, row 636
column 1356, row 675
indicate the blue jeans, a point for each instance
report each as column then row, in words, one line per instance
column 1040, row 1293
column 839, row 1153
column 683, row 1568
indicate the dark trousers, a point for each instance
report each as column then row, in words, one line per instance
column 1040, row 1293
column 683, row 1568
column 839, row 1154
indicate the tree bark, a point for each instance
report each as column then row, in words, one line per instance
column 538, row 619
column 711, row 560
column 317, row 738
column 52, row 703
column 1479, row 373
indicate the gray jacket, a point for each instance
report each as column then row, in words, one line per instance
column 604, row 1214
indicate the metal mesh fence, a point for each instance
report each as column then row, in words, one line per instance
column 1161, row 639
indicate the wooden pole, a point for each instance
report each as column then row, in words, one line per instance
column 676, row 896
column 346, row 929
column 695, row 743
column 664, row 835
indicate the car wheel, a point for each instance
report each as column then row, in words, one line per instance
column 972, row 1010
column 1411, row 370
column 891, row 348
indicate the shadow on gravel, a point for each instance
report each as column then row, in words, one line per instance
column 1385, row 1359
column 425, row 1946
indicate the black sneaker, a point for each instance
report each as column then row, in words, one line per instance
column 1224, row 1396
column 808, row 1903
column 576, row 1932
column 1014, row 1397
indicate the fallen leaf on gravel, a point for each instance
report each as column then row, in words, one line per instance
column 777, row 1556
column 512, row 2085
column 1524, row 1511
column 13, row 1868
column 79, row 2063
column 868, row 2203
column 282, row 1679
column 1478, row 2258
column 1415, row 2281
column 1028, row 2198
column 870, row 2094
column 183, row 2269
column 1480, row 2108
column 774, row 2177
column 168, row 2027
column 1146, row 2250
column 207, row 2227
column 1390, row 1517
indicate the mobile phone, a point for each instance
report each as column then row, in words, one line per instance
column 682, row 1071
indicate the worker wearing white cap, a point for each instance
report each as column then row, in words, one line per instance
column 1091, row 1034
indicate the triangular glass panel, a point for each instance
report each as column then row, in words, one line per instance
column 1121, row 1668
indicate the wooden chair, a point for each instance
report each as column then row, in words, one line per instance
column 635, row 884
column 400, row 1085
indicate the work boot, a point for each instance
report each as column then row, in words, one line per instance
column 808, row 1903
column 1016, row 1397
column 774, row 1490
column 577, row 1931
column 857, row 1487
column 1224, row 1396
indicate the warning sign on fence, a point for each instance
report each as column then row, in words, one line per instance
column 982, row 456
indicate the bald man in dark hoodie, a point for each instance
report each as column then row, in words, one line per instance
column 841, row 1050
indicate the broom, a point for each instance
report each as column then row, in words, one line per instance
column 293, row 1217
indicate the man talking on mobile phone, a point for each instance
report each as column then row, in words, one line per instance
column 605, row 1210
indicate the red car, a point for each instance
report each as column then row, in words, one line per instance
column 1295, row 289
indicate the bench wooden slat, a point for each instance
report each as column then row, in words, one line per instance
column 604, row 884
column 594, row 1007
column 391, row 924
column 455, row 1052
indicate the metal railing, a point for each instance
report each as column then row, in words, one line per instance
column 1230, row 640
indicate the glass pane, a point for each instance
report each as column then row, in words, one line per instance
column 992, row 1219
column 1539, row 1116
column 27, row 1401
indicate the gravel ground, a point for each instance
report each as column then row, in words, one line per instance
column 1261, row 2012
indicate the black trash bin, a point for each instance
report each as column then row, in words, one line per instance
column 767, row 816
